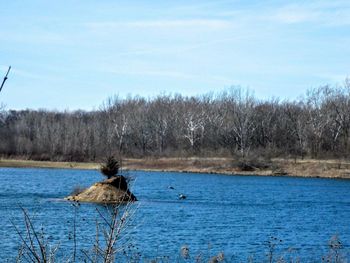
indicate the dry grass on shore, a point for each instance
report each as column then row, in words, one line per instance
column 18, row 163
column 276, row 167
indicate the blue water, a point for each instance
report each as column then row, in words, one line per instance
column 233, row 214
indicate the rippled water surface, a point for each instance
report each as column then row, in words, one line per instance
column 234, row 214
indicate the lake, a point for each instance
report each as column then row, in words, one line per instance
column 234, row 214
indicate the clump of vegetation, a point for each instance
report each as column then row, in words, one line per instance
column 246, row 166
column 110, row 226
column 252, row 163
column 34, row 246
column 111, row 167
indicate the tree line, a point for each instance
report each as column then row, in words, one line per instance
column 230, row 123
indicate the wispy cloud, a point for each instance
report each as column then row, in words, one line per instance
column 156, row 73
column 26, row 74
column 332, row 77
column 322, row 13
column 162, row 24
column 34, row 37
column 294, row 15
column 172, row 74
column 185, row 48
column 3, row 68
column 175, row 44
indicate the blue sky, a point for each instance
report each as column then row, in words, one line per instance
column 74, row 54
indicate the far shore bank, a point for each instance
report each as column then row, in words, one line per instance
column 278, row 167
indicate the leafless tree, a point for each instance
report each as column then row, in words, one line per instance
column 229, row 123
column 240, row 105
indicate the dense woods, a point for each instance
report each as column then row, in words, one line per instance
column 230, row 123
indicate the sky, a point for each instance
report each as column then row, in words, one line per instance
column 74, row 54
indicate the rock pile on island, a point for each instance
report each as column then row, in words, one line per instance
column 110, row 191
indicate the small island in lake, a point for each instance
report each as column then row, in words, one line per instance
column 114, row 189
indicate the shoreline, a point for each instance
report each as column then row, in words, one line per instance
column 307, row 168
